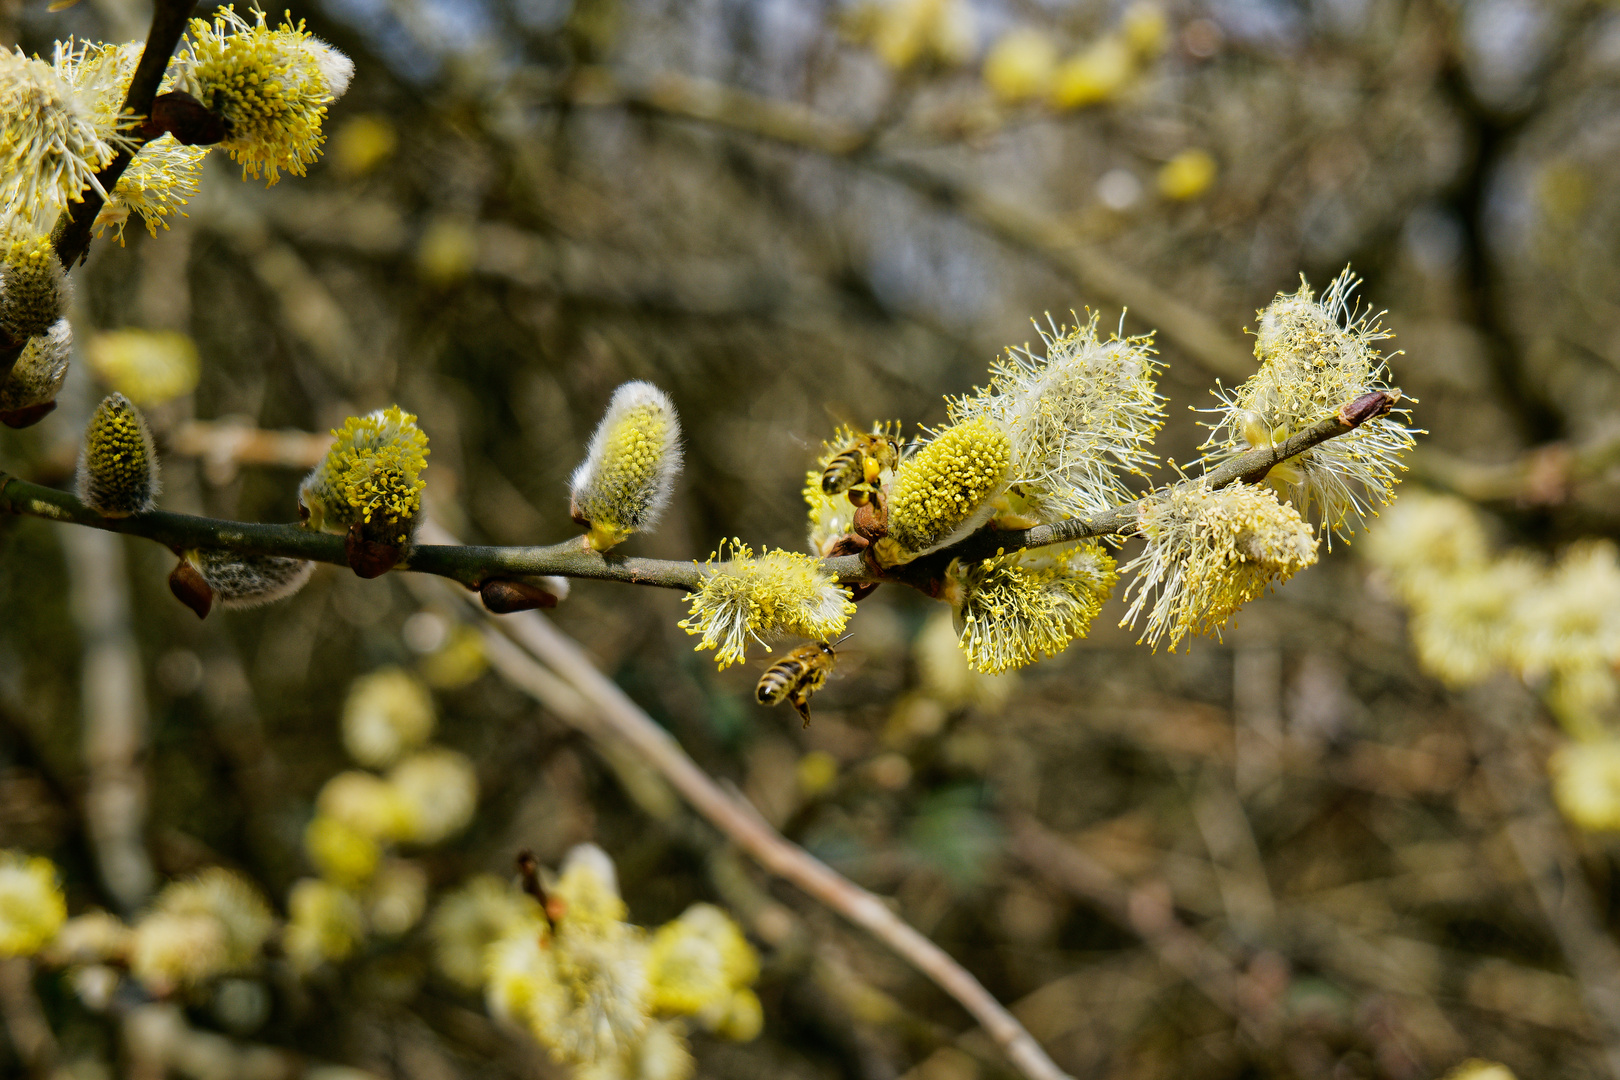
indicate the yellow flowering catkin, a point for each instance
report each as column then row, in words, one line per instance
column 1079, row 417
column 163, row 174
column 1014, row 609
column 271, row 84
column 1314, row 357
column 52, row 139
column 33, row 287
column 625, row 482
column 777, row 594
column 944, row 491
column 118, row 464
column 1210, row 552
column 371, row 477
column 32, row 908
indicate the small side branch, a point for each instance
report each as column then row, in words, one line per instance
column 472, row 565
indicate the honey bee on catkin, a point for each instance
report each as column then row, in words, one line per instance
column 860, row 462
column 797, row 676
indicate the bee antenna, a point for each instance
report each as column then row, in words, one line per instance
column 841, row 640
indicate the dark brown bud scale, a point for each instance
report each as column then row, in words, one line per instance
column 872, row 520
column 190, row 121
column 1367, row 407
column 504, row 597
column 191, row 589
column 369, row 558
column 27, row 417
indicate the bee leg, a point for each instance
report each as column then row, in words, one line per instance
column 803, row 705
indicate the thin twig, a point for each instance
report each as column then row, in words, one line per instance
column 1504, row 712
column 618, row 718
column 1057, row 243
column 472, row 565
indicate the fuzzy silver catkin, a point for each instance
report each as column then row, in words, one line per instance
column 628, row 475
column 118, row 464
column 40, row 371
column 244, row 581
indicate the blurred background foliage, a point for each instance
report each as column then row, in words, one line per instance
column 790, row 214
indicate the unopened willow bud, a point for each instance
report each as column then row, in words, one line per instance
column 28, row 394
column 629, row 472
column 33, row 288
column 118, row 465
column 944, row 491
column 208, row 576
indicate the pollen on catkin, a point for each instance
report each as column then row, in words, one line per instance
column 1014, row 609
column 629, row 472
column 944, row 491
column 1080, row 417
column 371, row 478
column 1210, row 552
column 246, row 581
column 1316, row 355
column 271, row 84
column 33, row 286
column 32, row 908
column 388, row 713
column 764, row 598
column 40, row 371
column 52, row 139
column 118, row 464
column 164, row 173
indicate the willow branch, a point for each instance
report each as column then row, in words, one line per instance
column 168, row 23
column 472, row 565
column 612, row 717
column 1058, row 244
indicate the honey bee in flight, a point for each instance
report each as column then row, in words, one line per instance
column 860, row 462
column 798, row 675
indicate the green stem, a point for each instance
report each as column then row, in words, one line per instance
column 472, row 565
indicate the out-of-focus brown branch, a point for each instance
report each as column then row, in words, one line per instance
column 1504, row 713
column 619, row 719
column 25, row 1020
column 1092, row 271
column 1543, row 476
column 115, row 720
column 1146, row 910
